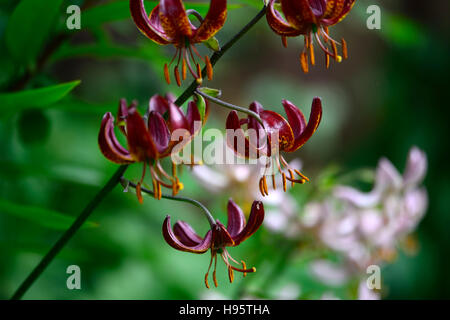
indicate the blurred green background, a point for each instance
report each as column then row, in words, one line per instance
column 388, row 96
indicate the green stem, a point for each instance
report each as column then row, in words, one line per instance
column 230, row 106
column 196, row 203
column 57, row 247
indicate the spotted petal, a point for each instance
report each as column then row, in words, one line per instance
column 213, row 22
column 336, row 11
column 174, row 19
column 275, row 125
column 299, row 14
column 176, row 243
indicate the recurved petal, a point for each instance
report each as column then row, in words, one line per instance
column 278, row 24
column 186, row 234
column 213, row 22
column 236, row 218
column 175, row 243
column 336, row 10
column 108, row 143
column 177, row 119
column 174, row 19
column 236, row 139
column 299, row 14
column 158, row 131
column 141, row 145
column 255, row 220
column 275, row 125
column 159, row 104
column 295, row 117
column 314, row 120
column 150, row 27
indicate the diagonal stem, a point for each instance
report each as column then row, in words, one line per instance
column 115, row 179
column 218, row 54
column 57, row 247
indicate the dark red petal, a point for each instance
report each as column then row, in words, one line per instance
column 158, row 130
column 221, row 237
column 184, row 232
column 159, row 104
column 236, row 218
column 336, row 11
column 295, row 118
column 275, row 124
column 255, row 220
column 236, row 139
column 213, row 22
column 177, row 120
column 193, row 118
column 175, row 243
column 150, row 27
column 141, row 146
column 108, row 143
column 174, row 19
column 299, row 14
column 313, row 122
column 278, row 24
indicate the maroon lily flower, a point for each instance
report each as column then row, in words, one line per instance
column 279, row 135
column 168, row 23
column 184, row 238
column 149, row 138
column 310, row 18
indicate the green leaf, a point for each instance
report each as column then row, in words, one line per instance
column 34, row 98
column 29, row 27
column 201, row 105
column 44, row 217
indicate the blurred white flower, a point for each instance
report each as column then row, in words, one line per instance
column 365, row 293
column 329, row 273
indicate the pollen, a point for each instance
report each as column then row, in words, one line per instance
column 209, row 68
column 166, row 73
column 177, row 76
column 139, row 193
column 304, row 62
column 183, row 69
column 199, row 75
column 284, row 41
column 344, row 49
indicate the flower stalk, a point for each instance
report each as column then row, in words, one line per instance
column 230, row 106
column 196, row 203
